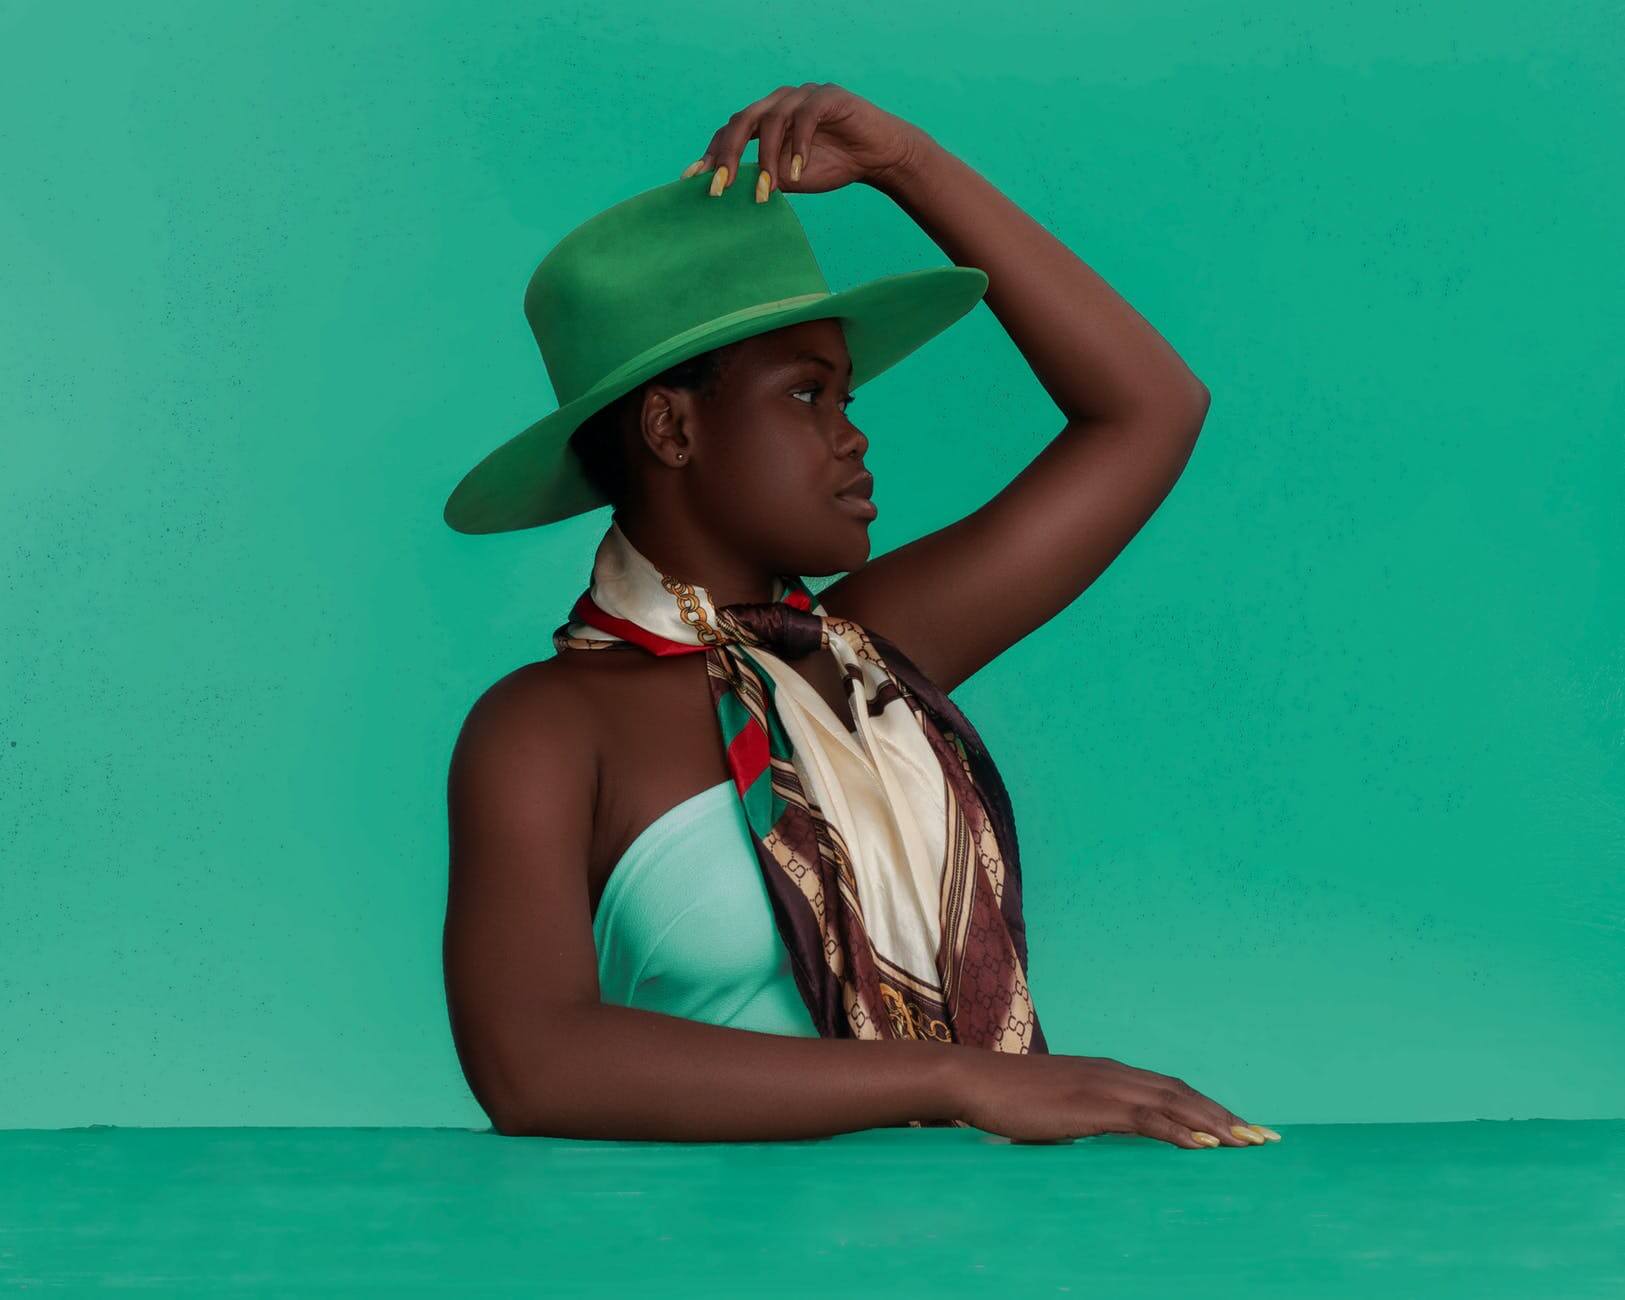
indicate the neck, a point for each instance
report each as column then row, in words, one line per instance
column 697, row 558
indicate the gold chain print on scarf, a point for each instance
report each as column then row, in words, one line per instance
column 888, row 847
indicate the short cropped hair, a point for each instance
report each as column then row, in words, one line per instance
column 598, row 441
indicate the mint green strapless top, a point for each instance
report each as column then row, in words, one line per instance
column 685, row 925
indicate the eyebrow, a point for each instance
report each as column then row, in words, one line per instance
column 823, row 361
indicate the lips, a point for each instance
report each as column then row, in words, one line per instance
column 859, row 505
column 862, row 486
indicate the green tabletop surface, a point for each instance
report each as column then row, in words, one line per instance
column 1483, row 1208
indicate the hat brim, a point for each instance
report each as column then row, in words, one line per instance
column 534, row 478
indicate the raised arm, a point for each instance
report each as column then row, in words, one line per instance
column 1132, row 412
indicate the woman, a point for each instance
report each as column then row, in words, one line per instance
column 755, row 876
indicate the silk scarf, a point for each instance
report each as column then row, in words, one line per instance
column 890, row 855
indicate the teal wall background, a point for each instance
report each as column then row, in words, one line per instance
column 1328, row 816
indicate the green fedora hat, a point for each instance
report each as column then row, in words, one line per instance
column 663, row 276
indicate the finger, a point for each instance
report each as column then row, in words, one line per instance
column 1256, row 1134
column 717, row 159
column 731, row 138
column 793, row 152
column 1193, row 1110
column 800, row 136
column 772, row 131
column 782, row 178
column 1204, row 1113
column 1150, row 1122
column 1210, row 1112
column 722, row 155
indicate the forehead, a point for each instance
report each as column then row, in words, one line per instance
column 801, row 344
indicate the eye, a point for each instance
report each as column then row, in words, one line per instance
column 819, row 388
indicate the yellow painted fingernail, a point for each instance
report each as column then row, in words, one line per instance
column 795, row 167
column 692, row 168
column 764, row 184
column 719, row 180
column 1206, row 1139
column 1246, row 1134
column 1269, row 1133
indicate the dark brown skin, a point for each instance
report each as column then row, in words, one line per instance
column 562, row 763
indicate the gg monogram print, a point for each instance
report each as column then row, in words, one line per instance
column 890, row 856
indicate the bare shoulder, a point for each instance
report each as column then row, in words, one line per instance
column 536, row 724
column 518, row 933
column 549, row 690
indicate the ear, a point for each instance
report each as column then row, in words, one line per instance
column 667, row 423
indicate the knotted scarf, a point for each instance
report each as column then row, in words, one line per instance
column 890, row 855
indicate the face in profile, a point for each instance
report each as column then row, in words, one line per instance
column 776, row 446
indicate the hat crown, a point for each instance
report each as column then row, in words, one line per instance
column 663, row 276
column 672, row 259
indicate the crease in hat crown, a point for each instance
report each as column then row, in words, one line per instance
column 660, row 265
column 662, row 276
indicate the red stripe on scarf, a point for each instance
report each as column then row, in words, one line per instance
column 747, row 756
column 586, row 611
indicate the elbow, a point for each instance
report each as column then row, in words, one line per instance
column 509, row 1119
column 530, row 1111
column 1194, row 413
column 519, row 1111
column 546, row 1113
column 1200, row 400
column 1180, row 408
column 524, row 1124
column 510, row 1123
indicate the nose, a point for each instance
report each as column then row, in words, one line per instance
column 850, row 441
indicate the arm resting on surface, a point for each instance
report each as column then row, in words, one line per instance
column 542, row 1052
column 622, row 1072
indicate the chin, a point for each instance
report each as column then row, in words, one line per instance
column 859, row 550
column 859, row 556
